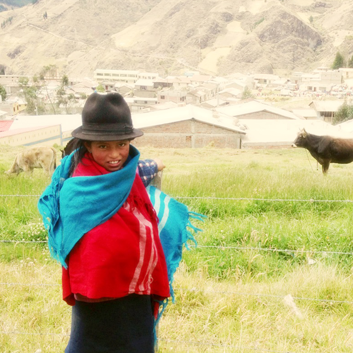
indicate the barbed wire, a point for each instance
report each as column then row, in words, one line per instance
column 23, row 241
column 262, row 295
column 324, row 252
column 222, row 247
column 18, row 195
column 33, row 333
column 259, row 199
column 333, row 301
column 224, row 198
column 29, row 284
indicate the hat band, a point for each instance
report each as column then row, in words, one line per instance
column 107, row 128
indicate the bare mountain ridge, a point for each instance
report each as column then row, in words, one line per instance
column 171, row 36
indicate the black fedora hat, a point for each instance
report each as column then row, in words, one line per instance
column 106, row 117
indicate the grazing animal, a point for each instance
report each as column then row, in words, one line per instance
column 326, row 149
column 70, row 147
column 37, row 157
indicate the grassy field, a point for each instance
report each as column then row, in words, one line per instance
column 272, row 271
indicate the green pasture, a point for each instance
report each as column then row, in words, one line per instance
column 272, row 271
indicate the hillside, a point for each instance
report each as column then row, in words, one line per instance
column 170, row 36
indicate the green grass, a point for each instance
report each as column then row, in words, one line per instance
column 265, row 237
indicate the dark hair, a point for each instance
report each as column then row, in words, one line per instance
column 77, row 157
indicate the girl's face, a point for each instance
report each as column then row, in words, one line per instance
column 111, row 155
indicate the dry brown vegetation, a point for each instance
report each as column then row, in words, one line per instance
column 256, row 36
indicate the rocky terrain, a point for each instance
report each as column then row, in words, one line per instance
column 219, row 37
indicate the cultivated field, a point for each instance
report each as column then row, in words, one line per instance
column 272, row 271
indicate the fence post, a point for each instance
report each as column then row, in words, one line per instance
column 157, row 180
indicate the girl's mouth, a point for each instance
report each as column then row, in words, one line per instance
column 114, row 163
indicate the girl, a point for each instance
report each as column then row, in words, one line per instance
column 103, row 229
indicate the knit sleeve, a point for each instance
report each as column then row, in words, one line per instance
column 147, row 170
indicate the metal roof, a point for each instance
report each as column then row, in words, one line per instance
column 188, row 112
column 255, row 107
column 5, row 125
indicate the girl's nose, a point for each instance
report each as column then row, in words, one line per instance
column 115, row 152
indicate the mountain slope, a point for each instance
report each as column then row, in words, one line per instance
column 170, row 36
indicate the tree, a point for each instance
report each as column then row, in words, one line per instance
column 338, row 62
column 29, row 93
column 350, row 62
column 345, row 112
column 247, row 93
column 100, row 88
column 3, row 93
column 49, row 69
column 62, row 97
column 2, row 69
column 65, row 81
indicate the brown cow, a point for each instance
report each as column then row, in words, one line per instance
column 37, row 157
column 326, row 149
column 70, row 147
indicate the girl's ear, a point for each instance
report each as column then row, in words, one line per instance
column 88, row 146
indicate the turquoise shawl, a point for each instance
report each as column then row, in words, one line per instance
column 71, row 207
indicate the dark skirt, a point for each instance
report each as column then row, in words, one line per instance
column 123, row 325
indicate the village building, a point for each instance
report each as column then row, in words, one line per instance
column 347, row 74
column 266, row 126
column 164, row 106
column 200, row 79
column 10, row 83
column 140, row 103
column 256, row 110
column 83, row 88
column 168, row 95
column 214, row 103
column 197, row 96
column 161, row 83
column 124, row 89
column 230, row 94
column 187, row 127
column 307, row 114
column 320, row 80
column 179, row 82
column 40, row 130
column 240, row 86
column 144, row 88
column 13, row 105
column 264, row 80
column 326, row 110
column 32, row 136
column 122, row 76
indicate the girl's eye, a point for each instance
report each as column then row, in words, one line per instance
column 102, row 147
column 122, row 144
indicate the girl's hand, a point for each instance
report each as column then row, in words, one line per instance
column 160, row 164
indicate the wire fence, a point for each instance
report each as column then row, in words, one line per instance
column 200, row 291
column 209, row 291
column 223, row 198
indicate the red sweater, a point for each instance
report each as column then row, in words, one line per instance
column 122, row 256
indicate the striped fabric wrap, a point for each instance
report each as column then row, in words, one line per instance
column 175, row 228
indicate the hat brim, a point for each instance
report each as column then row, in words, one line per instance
column 105, row 136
